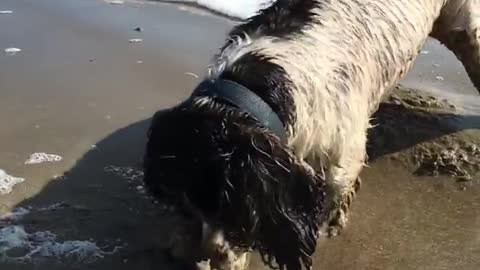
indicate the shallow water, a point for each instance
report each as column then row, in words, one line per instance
column 79, row 89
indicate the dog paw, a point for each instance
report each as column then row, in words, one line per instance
column 339, row 215
column 337, row 222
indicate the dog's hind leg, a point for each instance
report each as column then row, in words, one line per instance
column 344, row 182
column 458, row 28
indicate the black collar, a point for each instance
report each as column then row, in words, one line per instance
column 244, row 99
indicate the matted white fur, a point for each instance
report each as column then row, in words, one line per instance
column 341, row 69
column 238, row 46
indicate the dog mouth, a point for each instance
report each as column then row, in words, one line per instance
column 219, row 253
column 203, row 244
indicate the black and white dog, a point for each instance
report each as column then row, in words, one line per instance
column 269, row 146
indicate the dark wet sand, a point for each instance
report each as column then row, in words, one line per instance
column 78, row 83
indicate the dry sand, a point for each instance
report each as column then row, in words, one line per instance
column 79, row 89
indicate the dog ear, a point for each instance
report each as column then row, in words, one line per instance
column 275, row 197
column 160, row 151
column 158, row 122
column 158, row 117
column 181, row 161
column 242, row 179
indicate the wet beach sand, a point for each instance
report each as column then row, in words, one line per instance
column 82, row 89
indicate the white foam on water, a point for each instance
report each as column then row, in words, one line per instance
column 16, row 214
column 52, row 207
column 235, row 8
column 11, row 237
column 135, row 40
column 7, row 182
column 43, row 244
column 115, row 2
column 132, row 175
column 12, row 51
column 37, row 158
column 127, row 173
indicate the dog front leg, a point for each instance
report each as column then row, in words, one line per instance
column 344, row 182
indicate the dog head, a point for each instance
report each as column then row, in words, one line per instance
column 220, row 165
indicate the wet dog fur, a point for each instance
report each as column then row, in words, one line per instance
column 323, row 66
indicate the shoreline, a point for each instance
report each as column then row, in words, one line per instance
column 199, row 7
column 80, row 90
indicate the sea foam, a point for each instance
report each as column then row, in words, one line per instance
column 7, row 182
column 44, row 244
column 241, row 9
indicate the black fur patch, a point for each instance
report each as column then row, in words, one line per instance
column 238, row 177
column 283, row 19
